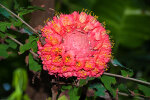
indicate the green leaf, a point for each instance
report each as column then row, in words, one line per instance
column 4, row 25
column 2, row 35
column 73, row 93
column 16, row 95
column 17, row 23
column 34, row 46
column 144, row 89
column 24, row 48
column 100, row 89
column 4, row 13
column 26, row 97
column 3, row 50
column 108, row 81
column 20, row 79
column 127, row 73
column 85, row 81
column 122, row 87
column 31, row 44
column 82, row 82
column 11, row 43
column 62, row 98
column 66, row 87
column 19, row 82
column 33, row 65
column 24, row 11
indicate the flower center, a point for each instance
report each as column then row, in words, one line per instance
column 77, row 42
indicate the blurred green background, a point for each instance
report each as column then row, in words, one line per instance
column 127, row 20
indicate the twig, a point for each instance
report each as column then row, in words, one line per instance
column 20, row 19
column 127, row 78
column 33, row 53
column 125, row 94
column 61, row 83
column 15, row 40
column 117, row 98
column 136, row 94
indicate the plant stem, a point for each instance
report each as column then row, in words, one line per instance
column 127, row 78
column 15, row 40
column 20, row 19
column 127, row 95
column 34, row 54
column 54, row 90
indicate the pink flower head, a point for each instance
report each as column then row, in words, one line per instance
column 76, row 45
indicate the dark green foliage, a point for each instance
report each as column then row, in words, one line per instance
column 144, row 89
column 100, row 90
column 32, row 44
column 23, row 11
column 3, row 49
column 73, row 93
column 33, row 65
column 4, row 13
column 66, row 87
column 126, row 73
column 108, row 82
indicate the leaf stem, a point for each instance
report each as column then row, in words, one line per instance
column 127, row 78
column 20, row 19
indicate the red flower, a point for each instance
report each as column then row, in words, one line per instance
column 76, row 45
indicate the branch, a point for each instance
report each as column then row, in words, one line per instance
column 127, row 78
column 15, row 40
column 127, row 95
column 20, row 19
column 33, row 53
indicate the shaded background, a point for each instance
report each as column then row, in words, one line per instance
column 127, row 20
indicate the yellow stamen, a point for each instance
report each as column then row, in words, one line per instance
column 82, row 72
column 67, row 59
column 78, row 63
column 64, row 68
column 88, row 65
column 48, row 57
column 57, row 59
column 57, row 50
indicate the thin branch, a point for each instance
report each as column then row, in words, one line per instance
column 125, row 94
column 20, row 19
column 127, row 78
column 15, row 40
column 33, row 53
